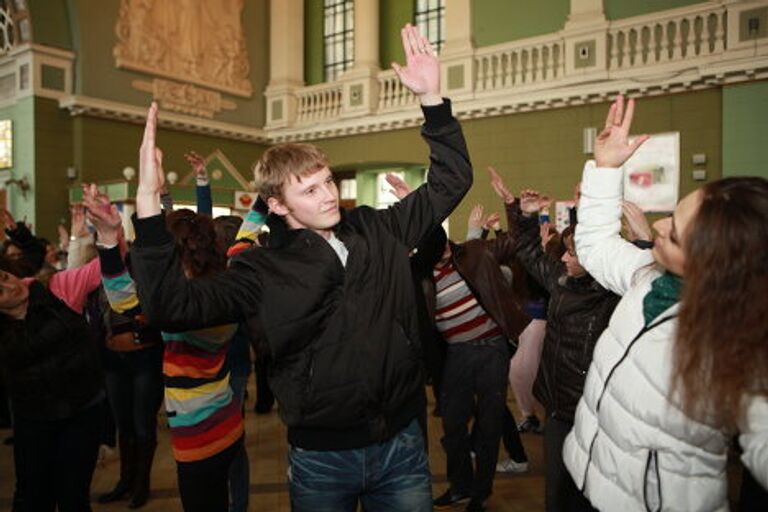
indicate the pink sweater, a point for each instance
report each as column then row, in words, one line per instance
column 73, row 285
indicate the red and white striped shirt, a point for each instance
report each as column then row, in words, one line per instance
column 459, row 316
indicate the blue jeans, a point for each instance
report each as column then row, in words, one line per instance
column 392, row 476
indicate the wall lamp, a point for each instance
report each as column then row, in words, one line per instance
column 22, row 183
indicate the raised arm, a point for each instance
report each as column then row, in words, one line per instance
column 450, row 172
column 475, row 222
column 169, row 300
column 203, row 187
column 610, row 259
column 32, row 247
column 530, row 251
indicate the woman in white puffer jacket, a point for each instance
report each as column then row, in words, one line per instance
column 683, row 363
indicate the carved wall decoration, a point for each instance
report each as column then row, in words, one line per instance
column 195, row 41
column 185, row 98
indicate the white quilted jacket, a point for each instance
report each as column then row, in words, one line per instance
column 631, row 447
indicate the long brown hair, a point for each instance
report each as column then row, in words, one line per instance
column 721, row 354
column 196, row 242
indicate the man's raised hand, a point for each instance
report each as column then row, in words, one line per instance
column 102, row 214
column 421, row 74
column 151, row 178
column 492, row 222
column 612, row 146
column 532, row 201
column 400, row 187
column 475, row 220
column 498, row 186
column 197, row 162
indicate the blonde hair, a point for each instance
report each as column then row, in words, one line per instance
column 279, row 163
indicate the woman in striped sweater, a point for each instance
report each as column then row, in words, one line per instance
column 204, row 416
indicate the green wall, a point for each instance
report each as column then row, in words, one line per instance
column 99, row 149
column 499, row 21
column 51, row 23
column 53, row 154
column 393, row 15
column 617, row 9
column 745, row 130
column 543, row 150
column 105, row 147
column 313, row 42
column 22, row 116
column 93, row 25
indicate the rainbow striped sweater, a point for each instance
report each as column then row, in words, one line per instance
column 203, row 414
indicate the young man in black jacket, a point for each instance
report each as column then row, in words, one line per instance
column 333, row 297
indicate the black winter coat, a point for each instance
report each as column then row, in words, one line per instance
column 50, row 361
column 344, row 343
column 578, row 313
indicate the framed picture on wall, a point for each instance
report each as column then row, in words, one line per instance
column 6, row 144
column 652, row 175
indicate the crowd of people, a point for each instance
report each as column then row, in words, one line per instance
column 647, row 354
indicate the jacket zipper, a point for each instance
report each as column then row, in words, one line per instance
column 557, row 351
column 584, row 361
column 652, row 464
column 605, row 388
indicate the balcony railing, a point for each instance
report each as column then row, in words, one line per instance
column 688, row 45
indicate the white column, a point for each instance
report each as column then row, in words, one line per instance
column 586, row 39
column 586, row 9
column 286, row 61
column 458, row 27
column 367, row 34
column 457, row 61
column 360, row 91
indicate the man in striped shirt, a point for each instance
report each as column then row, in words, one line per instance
column 475, row 312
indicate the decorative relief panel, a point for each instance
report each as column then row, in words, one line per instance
column 185, row 98
column 195, row 41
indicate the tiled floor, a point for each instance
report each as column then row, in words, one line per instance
column 266, row 447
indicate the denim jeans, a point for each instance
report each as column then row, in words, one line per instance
column 392, row 476
column 474, row 383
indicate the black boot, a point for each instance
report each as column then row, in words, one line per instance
column 145, row 454
column 127, row 446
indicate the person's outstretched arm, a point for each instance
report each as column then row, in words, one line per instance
column 450, row 172
column 169, row 300
column 610, row 259
column 203, row 184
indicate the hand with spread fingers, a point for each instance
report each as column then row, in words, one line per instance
column 498, row 186
column 612, row 145
column 78, row 227
column 421, row 74
column 102, row 214
column 399, row 186
column 475, row 220
column 637, row 225
column 492, row 222
column 531, row 201
column 151, row 177
column 197, row 162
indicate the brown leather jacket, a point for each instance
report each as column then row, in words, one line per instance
column 478, row 263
